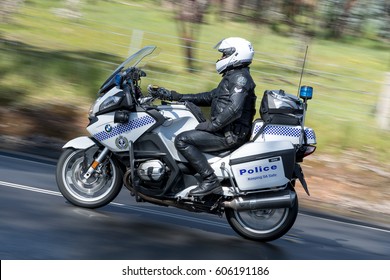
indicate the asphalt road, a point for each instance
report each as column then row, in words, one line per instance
column 37, row 223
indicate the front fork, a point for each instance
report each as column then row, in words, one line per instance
column 92, row 168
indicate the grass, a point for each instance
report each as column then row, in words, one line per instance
column 51, row 59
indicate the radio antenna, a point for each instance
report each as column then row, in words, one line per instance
column 303, row 67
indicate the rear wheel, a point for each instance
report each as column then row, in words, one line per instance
column 96, row 191
column 263, row 224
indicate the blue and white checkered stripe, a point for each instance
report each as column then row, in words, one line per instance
column 123, row 128
column 286, row 131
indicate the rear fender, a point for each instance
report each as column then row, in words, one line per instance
column 299, row 174
column 81, row 143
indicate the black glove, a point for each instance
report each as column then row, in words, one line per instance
column 205, row 126
column 159, row 92
column 175, row 95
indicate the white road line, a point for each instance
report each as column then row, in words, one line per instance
column 172, row 215
column 345, row 223
column 121, row 205
column 31, row 158
column 28, row 188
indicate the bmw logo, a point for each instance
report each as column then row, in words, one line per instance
column 108, row 128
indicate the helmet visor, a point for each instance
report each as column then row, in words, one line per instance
column 218, row 44
column 226, row 52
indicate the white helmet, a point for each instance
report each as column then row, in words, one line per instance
column 235, row 52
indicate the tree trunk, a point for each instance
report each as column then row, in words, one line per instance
column 342, row 21
column 189, row 16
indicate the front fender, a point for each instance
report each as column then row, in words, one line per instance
column 81, row 143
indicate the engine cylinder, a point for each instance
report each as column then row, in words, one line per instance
column 151, row 170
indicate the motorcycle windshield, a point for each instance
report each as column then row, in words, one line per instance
column 131, row 61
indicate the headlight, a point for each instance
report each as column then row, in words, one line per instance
column 91, row 112
column 111, row 101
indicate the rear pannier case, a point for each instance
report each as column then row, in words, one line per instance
column 281, row 119
column 278, row 107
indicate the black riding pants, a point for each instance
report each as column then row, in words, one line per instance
column 191, row 144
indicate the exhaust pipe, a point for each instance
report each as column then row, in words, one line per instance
column 280, row 199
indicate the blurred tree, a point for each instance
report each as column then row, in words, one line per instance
column 8, row 8
column 294, row 8
column 384, row 28
column 338, row 16
column 70, row 10
column 259, row 7
column 229, row 9
column 189, row 16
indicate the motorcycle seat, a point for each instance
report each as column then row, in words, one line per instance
column 221, row 154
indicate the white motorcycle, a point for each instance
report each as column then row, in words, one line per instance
column 132, row 144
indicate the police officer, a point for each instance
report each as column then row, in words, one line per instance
column 232, row 110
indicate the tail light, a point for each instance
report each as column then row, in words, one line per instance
column 309, row 150
column 304, row 151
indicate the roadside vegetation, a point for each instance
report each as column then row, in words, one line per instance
column 55, row 57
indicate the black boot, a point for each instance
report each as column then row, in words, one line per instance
column 209, row 185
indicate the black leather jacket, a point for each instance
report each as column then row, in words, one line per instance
column 233, row 103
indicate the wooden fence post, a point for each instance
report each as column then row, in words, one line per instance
column 136, row 41
column 383, row 106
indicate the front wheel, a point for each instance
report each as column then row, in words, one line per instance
column 96, row 191
column 263, row 224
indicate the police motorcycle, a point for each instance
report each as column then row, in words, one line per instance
column 131, row 144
